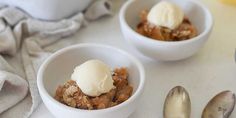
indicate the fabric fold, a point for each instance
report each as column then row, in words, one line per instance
column 13, row 88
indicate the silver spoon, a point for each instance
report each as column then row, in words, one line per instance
column 235, row 56
column 220, row 106
column 177, row 104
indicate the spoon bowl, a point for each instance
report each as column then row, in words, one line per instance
column 177, row 104
column 220, row 106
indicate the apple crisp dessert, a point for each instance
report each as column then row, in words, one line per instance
column 184, row 31
column 70, row 93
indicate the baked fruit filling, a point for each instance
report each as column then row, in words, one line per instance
column 70, row 93
column 184, row 31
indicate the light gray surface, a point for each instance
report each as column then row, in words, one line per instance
column 204, row 75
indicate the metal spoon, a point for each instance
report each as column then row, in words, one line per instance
column 220, row 106
column 235, row 56
column 177, row 104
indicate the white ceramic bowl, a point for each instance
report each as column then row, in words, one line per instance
column 58, row 68
column 49, row 9
column 198, row 14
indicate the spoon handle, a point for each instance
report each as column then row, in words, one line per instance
column 235, row 56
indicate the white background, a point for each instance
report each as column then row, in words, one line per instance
column 209, row 72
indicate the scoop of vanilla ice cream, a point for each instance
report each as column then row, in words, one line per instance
column 166, row 14
column 93, row 77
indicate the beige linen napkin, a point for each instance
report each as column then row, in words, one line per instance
column 24, row 39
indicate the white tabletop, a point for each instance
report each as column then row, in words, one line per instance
column 209, row 72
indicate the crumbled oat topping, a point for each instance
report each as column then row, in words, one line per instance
column 184, row 32
column 71, row 95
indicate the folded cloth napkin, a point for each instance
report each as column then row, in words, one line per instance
column 24, row 39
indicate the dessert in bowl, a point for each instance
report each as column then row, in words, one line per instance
column 166, row 30
column 93, row 85
column 69, row 67
column 166, row 22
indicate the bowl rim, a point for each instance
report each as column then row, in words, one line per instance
column 124, row 23
column 134, row 96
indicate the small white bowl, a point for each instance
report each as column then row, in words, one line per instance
column 198, row 14
column 49, row 9
column 59, row 67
